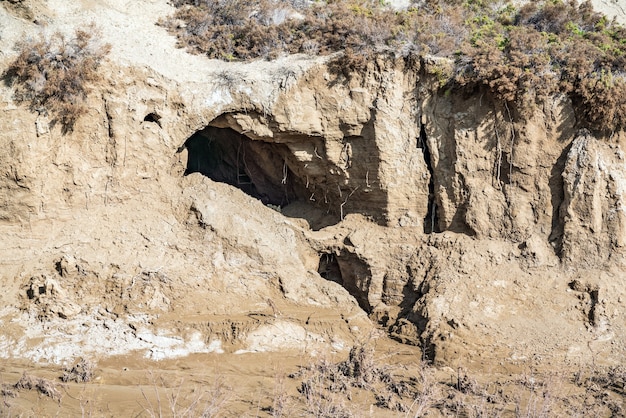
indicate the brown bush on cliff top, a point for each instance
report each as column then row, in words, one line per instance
column 53, row 73
column 550, row 48
column 521, row 55
column 236, row 29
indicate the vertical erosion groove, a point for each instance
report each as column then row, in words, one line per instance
column 430, row 221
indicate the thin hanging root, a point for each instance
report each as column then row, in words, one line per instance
column 339, row 188
column 346, row 201
column 316, row 154
column 499, row 151
column 284, row 180
column 312, row 198
column 241, row 152
column 512, row 143
column 367, row 179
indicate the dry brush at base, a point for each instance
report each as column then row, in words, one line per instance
column 366, row 380
column 54, row 73
column 42, row 385
column 165, row 398
column 81, row 372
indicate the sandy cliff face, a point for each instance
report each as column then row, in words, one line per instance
column 267, row 206
column 340, row 145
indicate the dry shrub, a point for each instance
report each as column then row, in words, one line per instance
column 81, row 372
column 546, row 49
column 328, row 387
column 613, row 378
column 281, row 404
column 232, row 29
column 206, row 401
column 325, row 390
column 237, row 29
column 7, row 391
column 361, row 368
column 427, row 391
column 520, row 55
column 44, row 386
column 360, row 29
column 602, row 100
column 53, row 73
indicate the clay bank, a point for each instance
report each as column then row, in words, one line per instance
column 202, row 206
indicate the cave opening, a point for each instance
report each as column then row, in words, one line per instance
column 350, row 272
column 329, row 268
column 261, row 170
column 431, row 221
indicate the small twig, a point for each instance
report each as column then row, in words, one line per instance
column 284, row 180
column 132, row 283
column 241, row 150
column 275, row 310
column 512, row 143
column 499, row 151
column 346, row 201
column 106, row 190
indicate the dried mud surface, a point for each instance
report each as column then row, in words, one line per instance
column 304, row 385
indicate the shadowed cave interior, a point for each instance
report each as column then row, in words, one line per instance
column 260, row 169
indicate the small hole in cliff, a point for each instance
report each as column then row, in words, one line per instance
column 350, row 272
column 153, row 117
column 329, row 268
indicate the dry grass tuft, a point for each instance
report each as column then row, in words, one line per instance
column 329, row 389
column 7, row 391
column 44, row 386
column 81, row 372
column 206, row 401
column 53, row 73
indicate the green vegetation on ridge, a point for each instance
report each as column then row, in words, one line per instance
column 522, row 55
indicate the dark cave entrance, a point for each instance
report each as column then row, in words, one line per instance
column 349, row 271
column 259, row 169
column 329, row 268
column 431, row 221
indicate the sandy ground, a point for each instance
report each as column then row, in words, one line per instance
column 275, row 385
column 226, row 385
